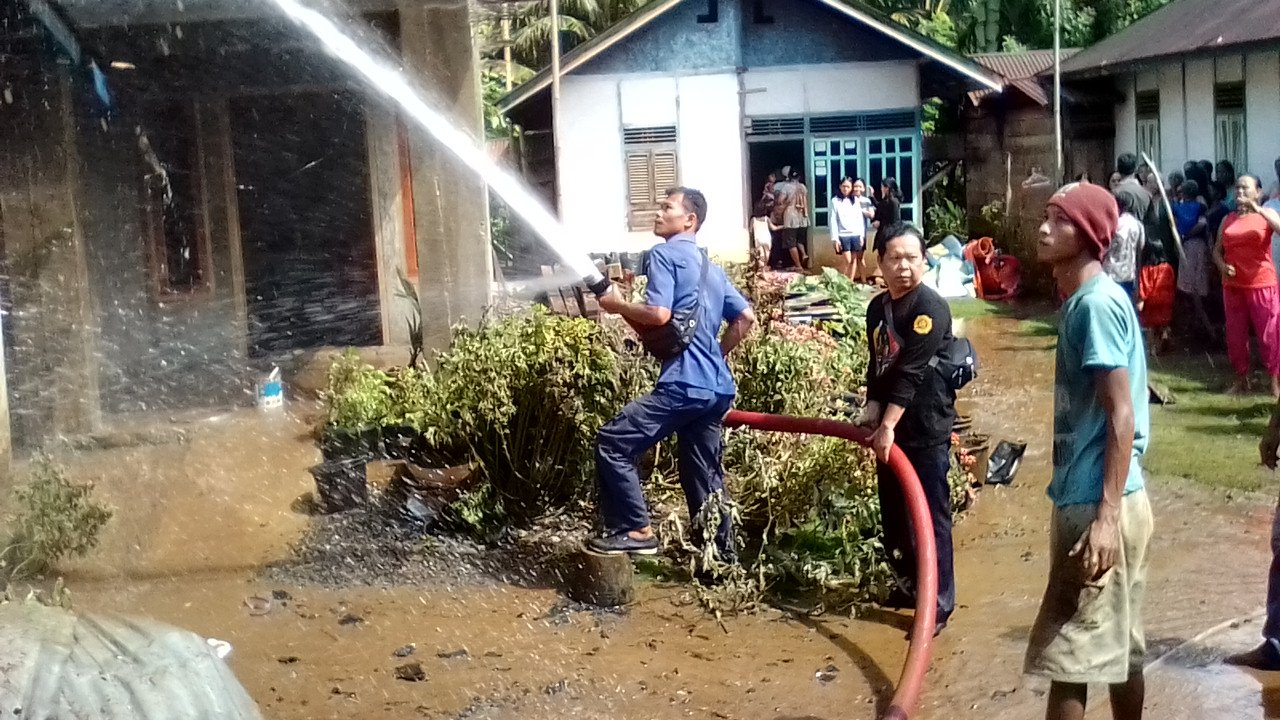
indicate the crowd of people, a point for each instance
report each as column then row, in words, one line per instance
column 1118, row 257
column 781, row 220
column 1205, row 241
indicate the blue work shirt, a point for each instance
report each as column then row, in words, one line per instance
column 1099, row 331
column 675, row 268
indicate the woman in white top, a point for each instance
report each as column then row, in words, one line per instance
column 851, row 212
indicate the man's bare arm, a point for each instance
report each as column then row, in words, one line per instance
column 736, row 331
column 1100, row 544
column 634, row 313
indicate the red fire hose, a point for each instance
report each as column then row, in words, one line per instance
column 907, row 696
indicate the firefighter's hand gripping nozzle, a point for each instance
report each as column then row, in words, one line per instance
column 598, row 284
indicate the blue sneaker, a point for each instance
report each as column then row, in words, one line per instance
column 623, row 544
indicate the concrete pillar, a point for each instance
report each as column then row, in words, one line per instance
column 385, row 175
column 53, row 368
column 451, row 213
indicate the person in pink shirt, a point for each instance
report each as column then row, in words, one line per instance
column 1249, row 296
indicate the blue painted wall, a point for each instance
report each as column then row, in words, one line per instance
column 803, row 32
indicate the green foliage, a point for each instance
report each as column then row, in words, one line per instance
column 358, row 395
column 778, row 376
column 1011, row 44
column 530, row 24
column 522, row 397
column 501, row 236
column 526, row 394
column 413, row 399
column 1013, row 25
column 55, row 519
column 492, row 87
column 408, row 292
column 947, row 217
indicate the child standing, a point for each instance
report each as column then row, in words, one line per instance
column 1190, row 214
column 1121, row 261
column 1157, row 282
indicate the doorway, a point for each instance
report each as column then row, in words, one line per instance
column 306, row 224
column 769, row 156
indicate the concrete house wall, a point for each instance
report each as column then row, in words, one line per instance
column 709, row 80
column 1187, row 109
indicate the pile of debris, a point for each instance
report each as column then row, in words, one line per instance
column 406, row 532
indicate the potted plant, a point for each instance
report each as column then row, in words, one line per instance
column 358, row 403
column 412, row 393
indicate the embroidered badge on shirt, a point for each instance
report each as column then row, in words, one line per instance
column 922, row 325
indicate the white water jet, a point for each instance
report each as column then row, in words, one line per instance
column 392, row 83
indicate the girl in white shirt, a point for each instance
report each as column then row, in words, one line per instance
column 851, row 212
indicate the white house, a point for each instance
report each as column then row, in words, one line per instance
column 715, row 94
column 1200, row 80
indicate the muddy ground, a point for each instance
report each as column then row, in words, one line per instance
column 200, row 513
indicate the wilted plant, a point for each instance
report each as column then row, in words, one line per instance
column 56, row 518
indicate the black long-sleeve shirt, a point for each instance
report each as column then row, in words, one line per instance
column 888, row 212
column 899, row 371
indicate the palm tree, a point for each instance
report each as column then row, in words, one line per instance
column 580, row 20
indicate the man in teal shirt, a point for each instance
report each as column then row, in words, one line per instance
column 1089, row 629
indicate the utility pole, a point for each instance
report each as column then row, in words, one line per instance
column 506, row 44
column 1057, row 86
column 555, row 96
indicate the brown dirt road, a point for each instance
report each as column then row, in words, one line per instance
column 195, row 520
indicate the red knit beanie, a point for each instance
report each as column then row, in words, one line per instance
column 1092, row 209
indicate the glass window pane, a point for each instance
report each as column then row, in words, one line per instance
column 876, row 170
column 905, row 144
column 907, row 179
column 876, row 147
column 890, row 145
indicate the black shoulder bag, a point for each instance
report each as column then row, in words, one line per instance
column 667, row 341
column 956, row 361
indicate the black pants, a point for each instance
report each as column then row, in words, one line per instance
column 931, row 465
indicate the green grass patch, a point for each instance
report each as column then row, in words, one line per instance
column 1042, row 326
column 1207, row 435
column 971, row 308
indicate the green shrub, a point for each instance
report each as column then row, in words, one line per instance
column 55, row 518
column 358, row 395
column 527, row 394
column 523, row 396
column 412, row 398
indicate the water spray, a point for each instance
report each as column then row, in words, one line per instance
column 392, row 83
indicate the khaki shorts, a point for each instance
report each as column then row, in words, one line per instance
column 1091, row 632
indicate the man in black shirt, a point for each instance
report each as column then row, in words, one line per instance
column 910, row 403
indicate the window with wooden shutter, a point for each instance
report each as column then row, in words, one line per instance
column 652, row 169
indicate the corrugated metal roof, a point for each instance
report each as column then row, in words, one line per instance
column 1019, row 70
column 1015, row 65
column 58, row 664
column 1180, row 28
